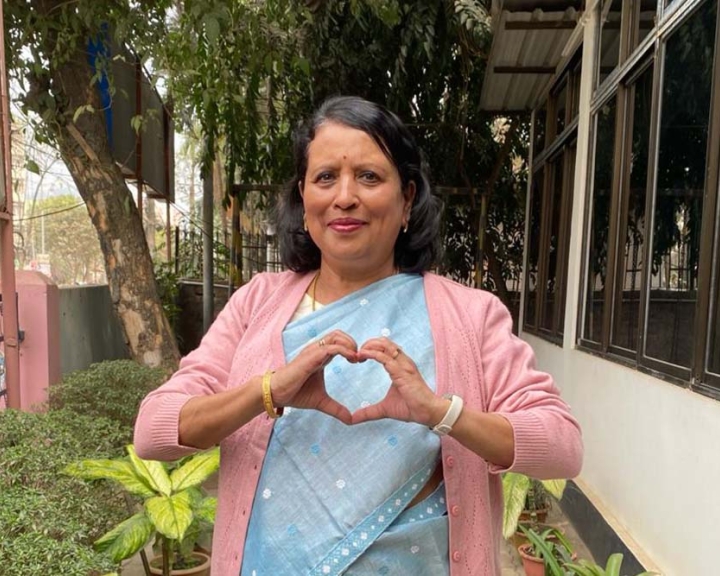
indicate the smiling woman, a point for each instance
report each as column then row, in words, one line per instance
column 402, row 394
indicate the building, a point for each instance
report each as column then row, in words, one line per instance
column 622, row 295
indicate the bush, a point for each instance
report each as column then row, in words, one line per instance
column 112, row 389
column 48, row 521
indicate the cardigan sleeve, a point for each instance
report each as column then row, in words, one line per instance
column 204, row 371
column 548, row 441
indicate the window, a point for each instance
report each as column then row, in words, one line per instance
column 599, row 221
column 680, row 188
column 610, row 37
column 626, row 315
column 651, row 288
column 536, row 196
column 551, row 189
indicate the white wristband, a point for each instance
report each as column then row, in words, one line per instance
column 446, row 424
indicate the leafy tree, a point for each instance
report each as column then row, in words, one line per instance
column 69, row 238
column 425, row 59
column 47, row 44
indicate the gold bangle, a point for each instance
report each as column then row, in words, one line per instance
column 267, row 396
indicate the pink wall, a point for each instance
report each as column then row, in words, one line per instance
column 39, row 318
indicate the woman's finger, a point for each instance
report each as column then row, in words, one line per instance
column 333, row 408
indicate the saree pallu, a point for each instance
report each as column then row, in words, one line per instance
column 332, row 499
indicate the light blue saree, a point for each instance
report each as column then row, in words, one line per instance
column 332, row 499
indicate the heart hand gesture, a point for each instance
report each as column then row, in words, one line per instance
column 409, row 398
column 300, row 384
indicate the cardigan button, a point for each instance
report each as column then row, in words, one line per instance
column 455, row 510
column 456, row 556
column 450, row 461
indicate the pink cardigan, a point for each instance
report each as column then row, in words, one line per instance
column 477, row 357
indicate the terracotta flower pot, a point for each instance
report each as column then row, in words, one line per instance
column 533, row 566
column 202, row 569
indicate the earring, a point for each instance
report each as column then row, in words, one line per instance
column 305, row 223
column 407, row 224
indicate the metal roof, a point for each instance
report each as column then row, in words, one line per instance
column 526, row 50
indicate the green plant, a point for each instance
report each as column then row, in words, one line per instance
column 612, row 568
column 174, row 507
column 48, row 521
column 550, row 545
column 522, row 493
column 168, row 289
column 112, row 389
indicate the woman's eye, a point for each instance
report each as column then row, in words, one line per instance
column 324, row 177
column 369, row 177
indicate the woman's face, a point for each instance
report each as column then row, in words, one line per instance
column 353, row 198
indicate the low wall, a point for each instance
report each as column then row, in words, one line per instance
column 89, row 329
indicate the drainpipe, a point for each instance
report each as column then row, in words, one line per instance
column 7, row 250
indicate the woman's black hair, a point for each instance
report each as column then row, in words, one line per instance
column 415, row 250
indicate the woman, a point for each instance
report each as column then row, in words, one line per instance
column 364, row 407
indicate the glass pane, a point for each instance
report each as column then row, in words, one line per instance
column 680, row 186
column 540, row 119
column 560, row 106
column 610, row 39
column 533, row 248
column 555, row 214
column 627, row 305
column 646, row 20
column 599, row 221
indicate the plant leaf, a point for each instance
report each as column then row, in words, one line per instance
column 206, row 509
column 32, row 166
column 120, row 471
column 126, row 538
column 555, row 487
column 195, row 471
column 171, row 515
column 151, row 471
column 515, row 489
column 612, row 568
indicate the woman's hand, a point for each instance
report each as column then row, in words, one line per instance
column 301, row 384
column 409, row 398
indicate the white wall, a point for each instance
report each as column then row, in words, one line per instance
column 652, row 457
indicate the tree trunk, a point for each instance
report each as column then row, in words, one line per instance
column 84, row 147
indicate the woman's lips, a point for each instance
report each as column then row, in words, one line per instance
column 346, row 225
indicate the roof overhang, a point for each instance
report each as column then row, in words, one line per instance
column 529, row 39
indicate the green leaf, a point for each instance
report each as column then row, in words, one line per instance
column 171, row 515
column 555, row 487
column 612, row 568
column 119, row 471
column 580, row 569
column 196, row 470
column 212, row 28
column 32, row 166
column 515, row 489
column 206, row 509
column 127, row 538
column 151, row 471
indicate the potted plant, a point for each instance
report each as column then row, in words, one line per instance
column 545, row 553
column 527, row 501
column 612, row 568
column 174, row 510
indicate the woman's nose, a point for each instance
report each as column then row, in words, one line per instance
column 346, row 196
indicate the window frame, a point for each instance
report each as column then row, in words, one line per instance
column 620, row 84
column 544, row 162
